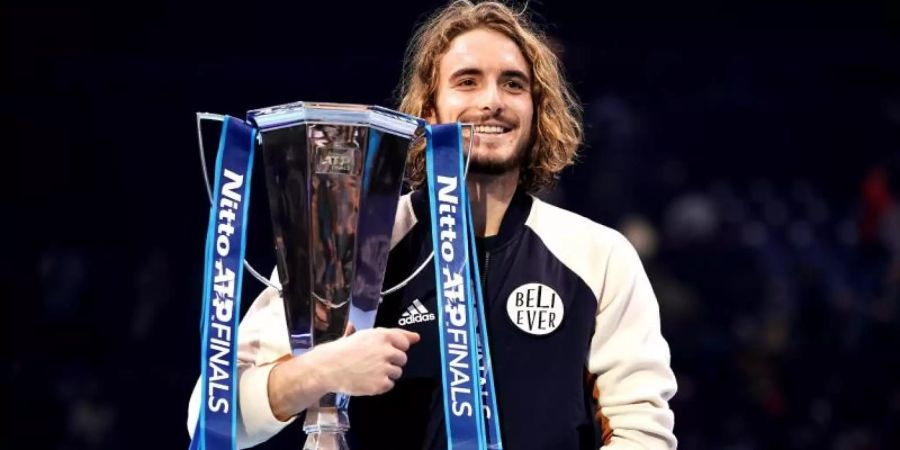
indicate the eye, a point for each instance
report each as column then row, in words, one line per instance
column 514, row 85
column 466, row 82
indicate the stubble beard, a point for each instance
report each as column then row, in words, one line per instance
column 492, row 166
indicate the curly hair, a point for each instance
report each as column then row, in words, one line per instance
column 557, row 128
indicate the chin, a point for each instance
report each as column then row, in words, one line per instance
column 494, row 153
column 494, row 166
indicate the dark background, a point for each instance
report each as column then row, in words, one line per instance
column 748, row 149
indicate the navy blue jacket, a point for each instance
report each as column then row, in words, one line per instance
column 542, row 381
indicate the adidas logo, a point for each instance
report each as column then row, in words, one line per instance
column 416, row 313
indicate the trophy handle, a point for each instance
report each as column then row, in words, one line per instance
column 201, row 116
column 400, row 285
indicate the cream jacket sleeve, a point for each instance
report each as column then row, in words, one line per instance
column 630, row 357
column 262, row 340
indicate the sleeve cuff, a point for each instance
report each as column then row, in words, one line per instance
column 259, row 422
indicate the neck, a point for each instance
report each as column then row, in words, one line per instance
column 489, row 196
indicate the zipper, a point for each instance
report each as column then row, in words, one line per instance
column 484, row 268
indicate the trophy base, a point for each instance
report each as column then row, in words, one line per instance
column 325, row 440
column 325, row 428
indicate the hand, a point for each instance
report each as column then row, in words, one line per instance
column 367, row 362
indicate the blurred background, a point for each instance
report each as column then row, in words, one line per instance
column 749, row 150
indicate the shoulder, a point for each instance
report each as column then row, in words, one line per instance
column 591, row 250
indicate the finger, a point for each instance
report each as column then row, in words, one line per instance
column 350, row 329
column 397, row 338
column 412, row 336
column 401, row 338
column 386, row 386
column 397, row 357
column 393, row 372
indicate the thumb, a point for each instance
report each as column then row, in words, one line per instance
column 412, row 337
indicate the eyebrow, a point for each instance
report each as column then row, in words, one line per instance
column 510, row 73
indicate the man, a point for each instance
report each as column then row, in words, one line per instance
column 572, row 319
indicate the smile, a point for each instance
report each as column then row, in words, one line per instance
column 490, row 129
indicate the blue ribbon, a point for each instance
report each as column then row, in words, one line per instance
column 488, row 394
column 223, row 274
column 462, row 325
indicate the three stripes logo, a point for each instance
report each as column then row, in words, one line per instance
column 416, row 313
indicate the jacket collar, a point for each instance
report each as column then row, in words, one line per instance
column 511, row 226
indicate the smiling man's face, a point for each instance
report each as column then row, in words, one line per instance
column 484, row 79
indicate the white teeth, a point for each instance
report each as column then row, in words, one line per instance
column 489, row 129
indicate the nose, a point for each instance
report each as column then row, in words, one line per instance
column 491, row 101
